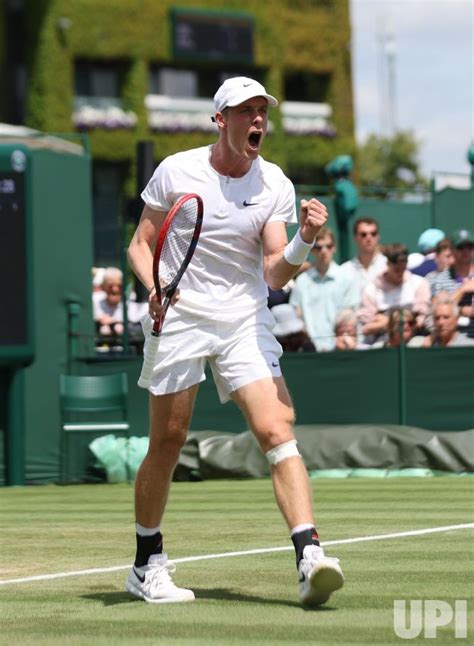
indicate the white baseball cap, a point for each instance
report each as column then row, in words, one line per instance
column 236, row 90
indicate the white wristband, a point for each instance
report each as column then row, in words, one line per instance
column 297, row 250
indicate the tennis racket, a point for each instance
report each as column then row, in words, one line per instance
column 175, row 246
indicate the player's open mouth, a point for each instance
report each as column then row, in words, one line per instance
column 254, row 140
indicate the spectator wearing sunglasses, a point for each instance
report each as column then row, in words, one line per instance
column 322, row 291
column 396, row 287
column 369, row 262
column 458, row 280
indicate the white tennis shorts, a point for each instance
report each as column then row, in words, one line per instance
column 238, row 353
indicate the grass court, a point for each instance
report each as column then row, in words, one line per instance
column 240, row 600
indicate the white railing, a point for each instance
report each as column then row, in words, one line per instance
column 101, row 112
column 177, row 114
column 168, row 113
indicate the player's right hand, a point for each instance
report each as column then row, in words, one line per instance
column 313, row 216
column 154, row 306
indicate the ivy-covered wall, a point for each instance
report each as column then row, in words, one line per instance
column 303, row 35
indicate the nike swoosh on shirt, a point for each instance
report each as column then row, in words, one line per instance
column 245, row 203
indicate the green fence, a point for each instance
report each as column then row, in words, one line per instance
column 433, row 391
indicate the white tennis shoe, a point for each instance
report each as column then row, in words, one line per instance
column 154, row 584
column 319, row 576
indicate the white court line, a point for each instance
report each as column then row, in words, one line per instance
column 265, row 550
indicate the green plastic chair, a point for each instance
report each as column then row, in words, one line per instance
column 91, row 404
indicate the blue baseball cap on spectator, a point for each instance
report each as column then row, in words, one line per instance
column 429, row 239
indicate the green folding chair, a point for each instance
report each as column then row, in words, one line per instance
column 91, row 404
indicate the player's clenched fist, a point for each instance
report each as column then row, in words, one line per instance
column 313, row 216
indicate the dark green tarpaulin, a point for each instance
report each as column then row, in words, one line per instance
column 225, row 455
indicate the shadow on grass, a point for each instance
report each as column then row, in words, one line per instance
column 113, row 598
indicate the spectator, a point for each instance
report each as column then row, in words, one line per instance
column 396, row 287
column 410, row 338
column 444, row 258
column 369, row 261
column 458, row 280
column 445, row 319
column 97, row 279
column 289, row 330
column 426, row 245
column 108, row 309
column 321, row 291
column 345, row 330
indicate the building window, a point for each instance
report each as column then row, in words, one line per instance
column 307, row 86
column 107, row 186
column 173, row 82
column 98, row 102
column 96, row 79
column 200, row 82
column 180, row 98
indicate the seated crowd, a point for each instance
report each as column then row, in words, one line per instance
column 381, row 296
column 376, row 299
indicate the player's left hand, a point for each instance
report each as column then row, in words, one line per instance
column 313, row 216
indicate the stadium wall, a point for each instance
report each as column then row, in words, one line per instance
column 430, row 389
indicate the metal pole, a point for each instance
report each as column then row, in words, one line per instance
column 15, row 430
column 125, row 295
column 402, row 374
column 73, row 310
column 433, row 202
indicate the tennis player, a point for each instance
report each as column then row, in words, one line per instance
column 221, row 317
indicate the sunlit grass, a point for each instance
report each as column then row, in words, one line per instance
column 249, row 599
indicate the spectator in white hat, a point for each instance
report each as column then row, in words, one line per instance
column 290, row 331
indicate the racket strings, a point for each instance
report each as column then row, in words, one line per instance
column 177, row 243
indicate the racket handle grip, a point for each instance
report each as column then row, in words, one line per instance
column 149, row 361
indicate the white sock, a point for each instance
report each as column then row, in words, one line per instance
column 146, row 531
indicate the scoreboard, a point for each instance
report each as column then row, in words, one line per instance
column 15, row 257
column 210, row 36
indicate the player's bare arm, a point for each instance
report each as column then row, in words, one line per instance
column 276, row 267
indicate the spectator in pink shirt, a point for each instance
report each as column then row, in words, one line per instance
column 396, row 287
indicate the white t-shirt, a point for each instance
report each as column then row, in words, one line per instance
column 362, row 276
column 224, row 279
column 101, row 306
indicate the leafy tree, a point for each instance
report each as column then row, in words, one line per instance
column 390, row 162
